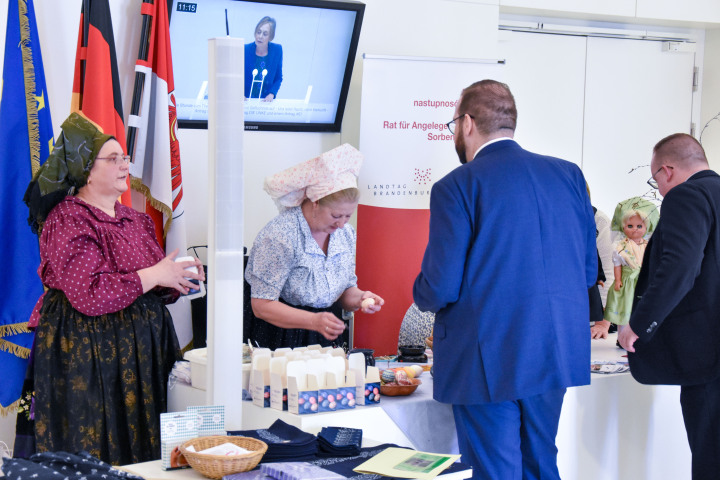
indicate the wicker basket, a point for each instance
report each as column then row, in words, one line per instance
column 217, row 466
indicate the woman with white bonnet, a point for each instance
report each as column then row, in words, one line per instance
column 301, row 268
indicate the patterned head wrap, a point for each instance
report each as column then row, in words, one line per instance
column 66, row 169
column 645, row 209
column 316, row 178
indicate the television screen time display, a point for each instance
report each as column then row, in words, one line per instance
column 298, row 55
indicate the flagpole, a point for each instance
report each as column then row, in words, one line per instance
column 139, row 78
column 84, row 44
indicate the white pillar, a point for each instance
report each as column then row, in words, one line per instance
column 225, row 226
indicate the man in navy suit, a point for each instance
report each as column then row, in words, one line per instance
column 674, row 331
column 510, row 257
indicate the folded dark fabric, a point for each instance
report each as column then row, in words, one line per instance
column 284, row 441
column 54, row 465
column 339, row 441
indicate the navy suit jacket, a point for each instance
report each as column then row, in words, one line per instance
column 676, row 312
column 273, row 63
column 509, row 261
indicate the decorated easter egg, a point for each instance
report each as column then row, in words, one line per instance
column 338, row 396
column 333, row 405
column 410, row 371
column 325, row 403
column 387, row 376
column 418, row 370
column 351, row 402
column 351, row 396
column 314, row 407
column 313, row 400
column 376, row 391
column 403, row 378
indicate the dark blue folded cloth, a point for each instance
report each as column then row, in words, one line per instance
column 339, row 441
column 54, row 465
column 284, row 441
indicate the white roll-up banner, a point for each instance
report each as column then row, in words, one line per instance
column 406, row 103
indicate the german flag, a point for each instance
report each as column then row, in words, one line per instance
column 96, row 85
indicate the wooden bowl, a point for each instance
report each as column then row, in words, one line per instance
column 399, row 390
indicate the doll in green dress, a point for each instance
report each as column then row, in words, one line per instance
column 634, row 217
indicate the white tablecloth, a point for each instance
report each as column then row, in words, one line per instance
column 612, row 429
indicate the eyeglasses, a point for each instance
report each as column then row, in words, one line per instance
column 451, row 124
column 116, row 159
column 651, row 181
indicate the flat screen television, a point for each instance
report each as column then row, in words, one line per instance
column 298, row 81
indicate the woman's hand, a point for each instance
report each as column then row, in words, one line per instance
column 270, row 97
column 618, row 284
column 354, row 299
column 371, row 303
column 169, row 273
column 600, row 329
column 328, row 325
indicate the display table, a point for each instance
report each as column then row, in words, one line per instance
column 153, row 471
column 616, row 428
column 613, row 428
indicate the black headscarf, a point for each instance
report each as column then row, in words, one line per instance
column 67, row 168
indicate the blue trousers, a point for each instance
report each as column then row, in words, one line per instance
column 513, row 440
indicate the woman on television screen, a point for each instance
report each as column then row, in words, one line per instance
column 263, row 63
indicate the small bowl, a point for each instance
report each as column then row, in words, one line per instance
column 400, row 390
column 412, row 350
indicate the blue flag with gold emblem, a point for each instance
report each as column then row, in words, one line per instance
column 26, row 139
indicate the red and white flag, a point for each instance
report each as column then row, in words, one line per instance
column 156, row 168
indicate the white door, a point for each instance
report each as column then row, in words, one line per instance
column 635, row 95
column 546, row 74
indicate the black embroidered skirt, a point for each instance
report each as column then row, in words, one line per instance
column 267, row 335
column 101, row 382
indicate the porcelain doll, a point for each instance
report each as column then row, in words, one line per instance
column 634, row 218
